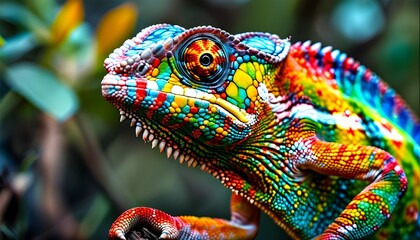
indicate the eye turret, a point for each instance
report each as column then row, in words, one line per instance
column 203, row 60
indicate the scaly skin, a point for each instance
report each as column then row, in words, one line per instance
column 301, row 132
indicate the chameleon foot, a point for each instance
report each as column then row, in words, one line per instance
column 156, row 220
column 243, row 225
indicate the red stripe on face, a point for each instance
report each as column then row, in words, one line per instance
column 140, row 93
column 161, row 98
column 141, row 89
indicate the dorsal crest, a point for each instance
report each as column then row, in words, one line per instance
column 356, row 81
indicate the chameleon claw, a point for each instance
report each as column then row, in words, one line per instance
column 164, row 236
column 117, row 234
column 169, row 233
column 121, row 235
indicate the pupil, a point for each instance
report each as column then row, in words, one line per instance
column 206, row 59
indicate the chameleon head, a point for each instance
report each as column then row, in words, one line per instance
column 200, row 84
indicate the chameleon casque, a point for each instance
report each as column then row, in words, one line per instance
column 302, row 132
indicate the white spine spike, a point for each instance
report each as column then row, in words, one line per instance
column 151, row 137
column 194, row 164
column 122, row 118
column 162, row 146
column 176, row 154
column 155, row 142
column 316, row 46
column 181, row 158
column 168, row 152
column 138, row 130
column 189, row 162
column 133, row 122
column 122, row 112
column 306, row 44
column 145, row 134
column 203, row 167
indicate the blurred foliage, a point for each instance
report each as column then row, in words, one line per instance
column 68, row 168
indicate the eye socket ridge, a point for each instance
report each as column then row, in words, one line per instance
column 202, row 60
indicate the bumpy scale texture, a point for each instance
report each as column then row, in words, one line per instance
column 302, row 132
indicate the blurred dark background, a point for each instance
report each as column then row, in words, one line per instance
column 68, row 168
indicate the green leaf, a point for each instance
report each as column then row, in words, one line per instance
column 43, row 89
column 17, row 46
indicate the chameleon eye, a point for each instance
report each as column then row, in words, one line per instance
column 142, row 68
column 203, row 60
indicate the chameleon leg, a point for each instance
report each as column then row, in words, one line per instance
column 243, row 223
column 371, row 207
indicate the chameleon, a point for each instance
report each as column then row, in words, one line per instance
column 301, row 132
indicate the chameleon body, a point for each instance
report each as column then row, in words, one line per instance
column 302, row 132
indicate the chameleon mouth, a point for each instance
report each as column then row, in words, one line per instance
column 114, row 87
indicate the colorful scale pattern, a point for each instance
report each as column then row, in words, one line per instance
column 302, row 132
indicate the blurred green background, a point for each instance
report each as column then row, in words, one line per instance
column 68, row 168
